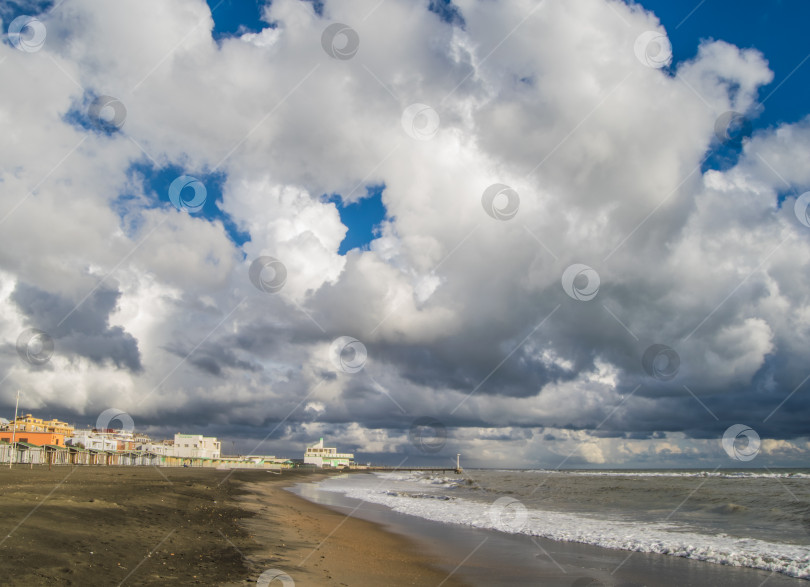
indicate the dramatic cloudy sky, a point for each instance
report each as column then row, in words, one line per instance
column 635, row 283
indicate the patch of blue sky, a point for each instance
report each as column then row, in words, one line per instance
column 108, row 118
column 775, row 28
column 156, row 182
column 362, row 217
column 11, row 9
column 447, row 11
column 233, row 18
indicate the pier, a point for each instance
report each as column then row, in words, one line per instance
column 410, row 469
column 457, row 469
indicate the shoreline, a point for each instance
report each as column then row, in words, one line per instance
column 324, row 546
column 491, row 557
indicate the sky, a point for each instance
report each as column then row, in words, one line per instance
column 539, row 234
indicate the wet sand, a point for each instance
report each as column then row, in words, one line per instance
column 150, row 526
column 348, row 551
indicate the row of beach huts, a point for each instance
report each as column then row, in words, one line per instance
column 23, row 453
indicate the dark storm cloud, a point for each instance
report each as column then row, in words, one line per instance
column 214, row 359
column 84, row 330
column 463, row 362
column 581, row 335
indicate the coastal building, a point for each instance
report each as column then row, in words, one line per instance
column 141, row 438
column 28, row 423
column 94, row 440
column 124, row 440
column 34, row 438
column 196, row 446
column 326, row 457
column 164, row 448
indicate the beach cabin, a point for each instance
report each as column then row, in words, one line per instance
column 5, row 452
column 78, row 456
column 29, row 454
column 56, row 455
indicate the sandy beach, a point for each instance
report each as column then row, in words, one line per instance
column 149, row 526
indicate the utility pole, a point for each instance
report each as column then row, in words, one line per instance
column 14, row 432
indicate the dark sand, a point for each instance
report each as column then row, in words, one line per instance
column 150, row 526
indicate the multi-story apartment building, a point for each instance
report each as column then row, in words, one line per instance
column 28, row 423
column 196, row 446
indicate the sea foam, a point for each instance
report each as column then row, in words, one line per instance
column 406, row 494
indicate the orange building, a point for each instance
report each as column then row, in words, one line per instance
column 28, row 423
column 38, row 438
column 125, row 444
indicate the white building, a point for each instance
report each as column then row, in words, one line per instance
column 92, row 439
column 196, row 446
column 164, row 448
column 141, row 438
column 321, row 456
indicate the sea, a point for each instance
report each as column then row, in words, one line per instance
column 743, row 518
